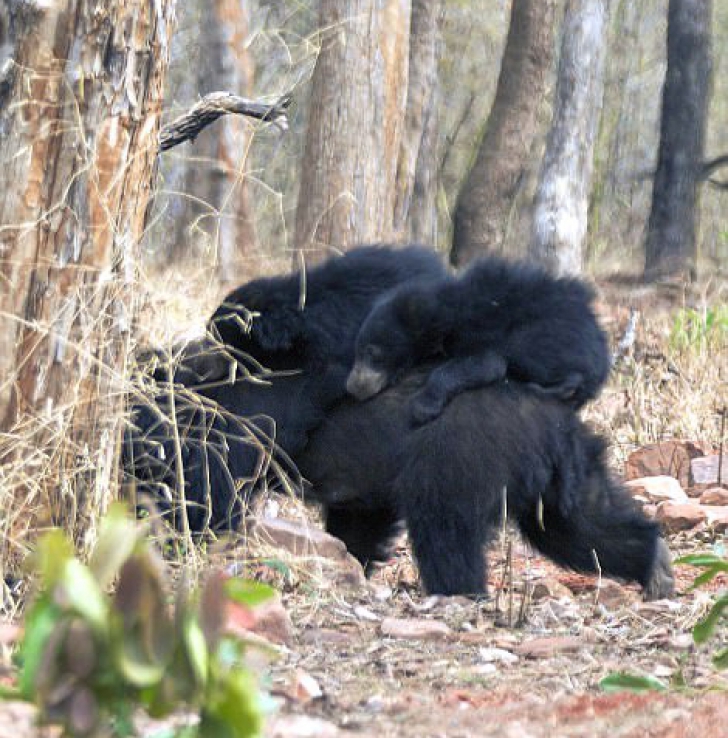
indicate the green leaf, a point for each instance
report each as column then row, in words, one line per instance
column 39, row 625
column 249, row 593
column 51, row 555
column 196, row 649
column 704, row 629
column 623, row 681
column 82, row 594
column 232, row 709
column 704, row 578
column 720, row 659
column 135, row 664
column 703, row 559
column 117, row 539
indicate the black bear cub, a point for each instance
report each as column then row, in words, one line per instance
column 498, row 319
column 497, row 449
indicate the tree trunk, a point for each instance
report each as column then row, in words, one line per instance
column 671, row 248
column 415, row 208
column 355, row 125
column 486, row 197
column 562, row 198
column 207, row 204
column 77, row 158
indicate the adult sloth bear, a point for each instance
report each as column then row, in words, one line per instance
column 446, row 481
column 498, row 318
column 216, row 416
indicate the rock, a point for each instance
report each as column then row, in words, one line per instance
column 415, row 629
column 717, row 517
column 540, row 648
column 671, row 458
column 303, row 687
column 271, row 620
column 551, row 588
column 704, row 470
column 302, row 726
column 491, row 655
column 657, row 489
column 614, row 596
column 305, row 540
column 301, row 540
column 714, row 496
column 675, row 516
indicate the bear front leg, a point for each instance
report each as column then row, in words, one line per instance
column 452, row 378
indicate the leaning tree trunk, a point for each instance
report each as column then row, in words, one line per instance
column 671, row 247
column 355, row 123
column 562, row 197
column 415, row 207
column 76, row 164
column 487, row 195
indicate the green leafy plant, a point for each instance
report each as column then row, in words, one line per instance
column 90, row 659
column 713, row 565
column 699, row 328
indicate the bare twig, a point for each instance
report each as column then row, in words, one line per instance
column 214, row 106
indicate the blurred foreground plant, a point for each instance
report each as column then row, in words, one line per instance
column 89, row 659
column 713, row 565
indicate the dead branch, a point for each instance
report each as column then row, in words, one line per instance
column 214, row 106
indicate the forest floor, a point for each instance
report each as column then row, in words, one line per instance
column 380, row 659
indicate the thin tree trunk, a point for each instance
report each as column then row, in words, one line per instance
column 355, row 124
column 562, row 198
column 76, row 164
column 214, row 207
column 415, row 208
column 671, row 246
column 487, row 195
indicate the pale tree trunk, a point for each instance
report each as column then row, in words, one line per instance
column 214, row 210
column 562, row 198
column 671, row 247
column 415, row 208
column 355, row 124
column 487, row 195
column 76, row 165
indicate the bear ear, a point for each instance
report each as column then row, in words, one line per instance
column 278, row 329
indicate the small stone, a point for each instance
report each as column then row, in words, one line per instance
column 304, row 688
column 657, row 489
column 415, row 629
column 302, row 726
column 539, row 648
column 549, row 588
column 717, row 518
column 714, row 496
column 614, row 596
column 300, row 540
column 271, row 621
column 490, row 655
column 704, row 470
column 675, row 516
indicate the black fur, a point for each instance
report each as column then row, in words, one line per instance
column 373, row 472
column 231, row 412
column 497, row 319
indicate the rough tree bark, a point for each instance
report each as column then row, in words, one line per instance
column 355, row 124
column 76, row 164
column 562, row 197
column 415, row 207
column 486, row 197
column 671, row 245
